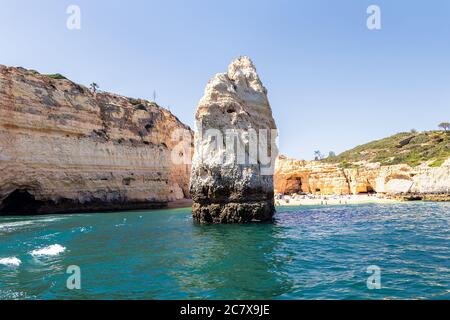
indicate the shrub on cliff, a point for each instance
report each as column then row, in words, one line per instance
column 134, row 102
column 346, row 165
column 56, row 76
column 437, row 163
column 407, row 147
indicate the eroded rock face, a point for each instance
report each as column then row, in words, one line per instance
column 294, row 176
column 227, row 185
column 65, row 149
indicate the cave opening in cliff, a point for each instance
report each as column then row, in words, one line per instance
column 369, row 189
column 20, row 202
column 294, row 185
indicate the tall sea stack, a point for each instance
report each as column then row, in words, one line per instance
column 235, row 151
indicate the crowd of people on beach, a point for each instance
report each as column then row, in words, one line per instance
column 318, row 199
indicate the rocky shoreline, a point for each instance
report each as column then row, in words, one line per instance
column 422, row 197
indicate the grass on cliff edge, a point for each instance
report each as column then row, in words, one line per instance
column 406, row 147
column 56, row 76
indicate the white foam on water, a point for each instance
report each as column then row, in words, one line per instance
column 85, row 229
column 52, row 250
column 11, row 261
column 11, row 225
column 49, row 220
column 82, row 229
column 13, row 295
column 124, row 222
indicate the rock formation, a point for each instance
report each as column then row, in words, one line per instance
column 229, row 182
column 66, row 149
column 294, row 176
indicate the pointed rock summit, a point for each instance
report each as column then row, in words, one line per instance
column 235, row 150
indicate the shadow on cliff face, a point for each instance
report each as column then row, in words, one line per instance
column 20, row 202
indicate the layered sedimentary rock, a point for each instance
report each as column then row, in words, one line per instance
column 229, row 182
column 294, row 176
column 64, row 148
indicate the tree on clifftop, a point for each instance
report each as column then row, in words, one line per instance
column 444, row 125
column 318, row 155
column 94, row 87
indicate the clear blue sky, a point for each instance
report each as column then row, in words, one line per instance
column 332, row 83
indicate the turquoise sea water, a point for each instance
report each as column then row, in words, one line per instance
column 308, row 253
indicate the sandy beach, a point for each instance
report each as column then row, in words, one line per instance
column 314, row 200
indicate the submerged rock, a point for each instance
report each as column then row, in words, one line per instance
column 235, row 151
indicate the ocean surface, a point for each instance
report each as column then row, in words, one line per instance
column 308, row 253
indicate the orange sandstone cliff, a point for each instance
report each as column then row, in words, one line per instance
column 315, row 177
column 64, row 148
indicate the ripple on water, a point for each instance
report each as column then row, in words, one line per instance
column 308, row 253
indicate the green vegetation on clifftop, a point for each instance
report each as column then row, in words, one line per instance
column 408, row 147
column 56, row 76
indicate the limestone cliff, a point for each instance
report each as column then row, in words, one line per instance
column 315, row 177
column 66, row 149
column 227, row 185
